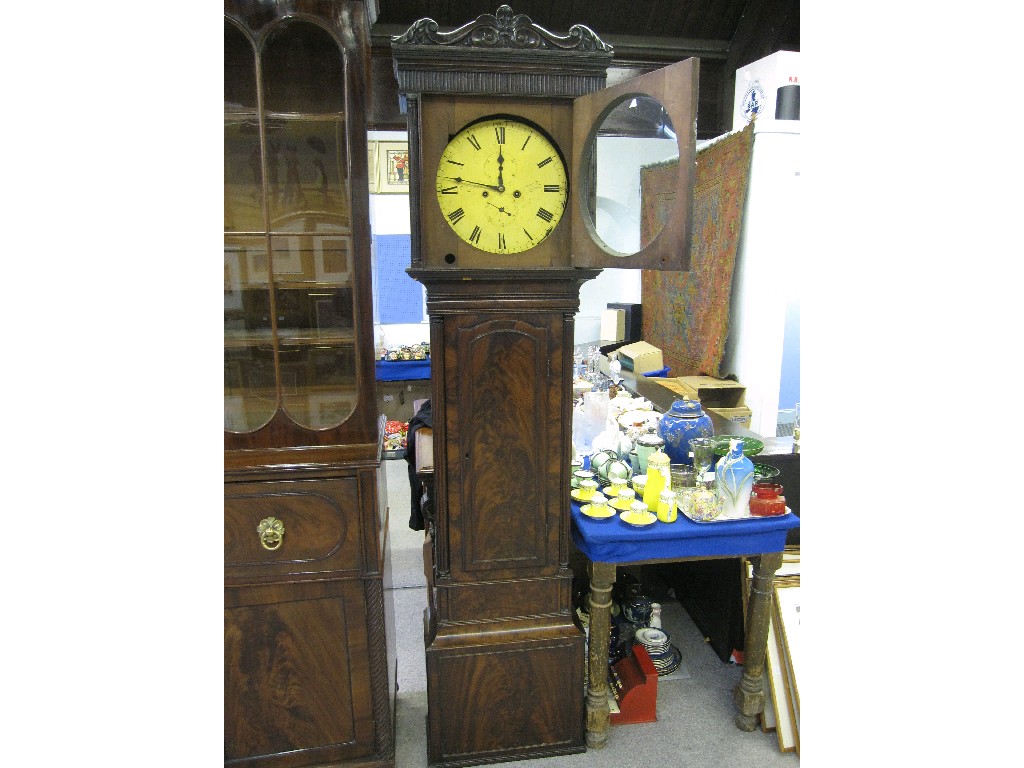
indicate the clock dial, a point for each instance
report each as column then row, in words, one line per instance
column 502, row 185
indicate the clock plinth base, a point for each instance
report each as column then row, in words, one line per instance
column 496, row 696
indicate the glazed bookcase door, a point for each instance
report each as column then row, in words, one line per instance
column 658, row 108
column 291, row 351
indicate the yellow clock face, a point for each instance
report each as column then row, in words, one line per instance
column 502, row 185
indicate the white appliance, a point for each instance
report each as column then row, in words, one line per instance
column 763, row 348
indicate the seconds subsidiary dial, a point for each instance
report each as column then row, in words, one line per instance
column 502, row 185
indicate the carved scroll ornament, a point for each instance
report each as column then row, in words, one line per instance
column 503, row 30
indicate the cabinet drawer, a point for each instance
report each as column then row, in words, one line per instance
column 320, row 521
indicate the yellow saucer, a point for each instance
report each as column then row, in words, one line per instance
column 638, row 520
column 575, row 493
column 588, row 510
column 622, row 504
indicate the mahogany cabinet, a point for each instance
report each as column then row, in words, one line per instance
column 309, row 674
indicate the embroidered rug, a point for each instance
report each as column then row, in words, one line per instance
column 686, row 314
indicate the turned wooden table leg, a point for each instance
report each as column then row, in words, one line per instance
column 602, row 576
column 749, row 693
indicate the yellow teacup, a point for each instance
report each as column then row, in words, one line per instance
column 587, row 489
column 617, row 485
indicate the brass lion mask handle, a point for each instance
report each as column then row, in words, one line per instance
column 271, row 531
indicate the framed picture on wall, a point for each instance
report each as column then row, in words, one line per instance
column 232, row 277
column 328, row 410
column 288, row 259
column 371, row 161
column 331, row 258
column 392, row 167
column 257, row 269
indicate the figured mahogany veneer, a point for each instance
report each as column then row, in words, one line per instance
column 309, row 661
column 504, row 658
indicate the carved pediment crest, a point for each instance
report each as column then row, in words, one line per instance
column 502, row 29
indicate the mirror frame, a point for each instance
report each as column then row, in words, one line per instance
column 675, row 87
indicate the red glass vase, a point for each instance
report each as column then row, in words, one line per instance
column 767, row 500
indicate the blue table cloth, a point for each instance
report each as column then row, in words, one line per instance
column 402, row 370
column 613, row 541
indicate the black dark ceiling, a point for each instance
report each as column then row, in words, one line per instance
column 645, row 34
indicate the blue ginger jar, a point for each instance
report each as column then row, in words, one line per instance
column 684, row 421
column 734, row 480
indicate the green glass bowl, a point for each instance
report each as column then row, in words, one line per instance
column 751, row 445
column 765, row 471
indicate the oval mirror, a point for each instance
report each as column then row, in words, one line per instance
column 630, row 167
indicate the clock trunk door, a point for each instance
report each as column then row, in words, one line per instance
column 634, row 167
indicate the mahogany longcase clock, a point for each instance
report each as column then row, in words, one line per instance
column 510, row 216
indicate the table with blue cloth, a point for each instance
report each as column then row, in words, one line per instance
column 611, row 542
column 403, row 370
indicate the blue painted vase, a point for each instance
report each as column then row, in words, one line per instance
column 683, row 421
column 734, row 480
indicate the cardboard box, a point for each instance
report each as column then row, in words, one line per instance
column 634, row 319
column 715, row 393
column 613, row 325
column 640, row 357
column 740, row 415
column 711, row 392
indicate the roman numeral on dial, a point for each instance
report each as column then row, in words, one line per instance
column 501, row 241
column 472, row 140
column 544, row 162
column 499, row 133
column 449, row 191
column 474, row 236
column 552, row 187
column 455, row 216
column 543, row 213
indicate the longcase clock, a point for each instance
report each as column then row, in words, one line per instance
column 506, row 208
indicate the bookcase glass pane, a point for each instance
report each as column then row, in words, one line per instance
column 239, row 71
column 243, row 175
column 303, row 70
column 250, row 391
column 306, row 169
column 289, row 307
column 315, row 312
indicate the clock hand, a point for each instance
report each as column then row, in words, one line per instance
column 500, row 210
column 460, row 180
column 501, row 160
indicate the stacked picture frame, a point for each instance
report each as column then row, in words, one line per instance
column 781, row 679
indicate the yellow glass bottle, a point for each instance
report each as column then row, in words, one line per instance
column 658, row 478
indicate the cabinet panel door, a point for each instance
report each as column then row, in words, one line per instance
column 505, row 425
column 296, row 674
